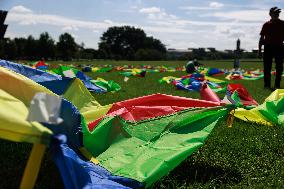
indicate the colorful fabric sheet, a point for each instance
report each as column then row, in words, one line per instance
column 146, row 137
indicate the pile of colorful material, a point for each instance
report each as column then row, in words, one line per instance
column 127, row 144
column 135, row 72
column 269, row 113
column 130, row 68
column 193, row 82
column 97, row 69
column 106, row 86
column 109, row 86
column 214, row 72
column 58, row 83
column 41, row 65
column 248, row 75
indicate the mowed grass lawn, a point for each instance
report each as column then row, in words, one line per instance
column 244, row 156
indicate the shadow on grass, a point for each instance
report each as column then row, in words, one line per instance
column 199, row 174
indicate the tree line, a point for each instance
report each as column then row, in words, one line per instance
column 116, row 43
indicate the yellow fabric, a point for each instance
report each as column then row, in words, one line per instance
column 101, row 79
column 276, row 95
column 20, row 86
column 79, row 95
column 94, row 69
column 95, row 113
column 252, row 115
column 89, row 156
column 33, row 166
column 13, row 124
column 214, row 79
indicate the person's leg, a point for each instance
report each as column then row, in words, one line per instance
column 267, row 65
column 279, row 65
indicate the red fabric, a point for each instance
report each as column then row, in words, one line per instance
column 273, row 32
column 244, row 95
column 206, row 93
column 152, row 106
column 40, row 63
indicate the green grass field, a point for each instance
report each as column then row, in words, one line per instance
column 244, row 156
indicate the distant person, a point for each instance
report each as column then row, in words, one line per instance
column 236, row 64
column 190, row 66
column 272, row 37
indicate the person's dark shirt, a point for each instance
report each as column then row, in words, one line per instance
column 273, row 32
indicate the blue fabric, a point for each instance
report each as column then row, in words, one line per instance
column 42, row 67
column 71, row 125
column 58, row 86
column 40, row 76
column 90, row 86
column 213, row 71
column 79, row 173
column 193, row 85
column 33, row 74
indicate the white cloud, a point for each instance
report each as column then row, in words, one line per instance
column 211, row 6
column 156, row 13
column 108, row 22
column 220, row 30
column 216, row 5
column 31, row 18
column 243, row 15
column 150, row 10
column 70, row 28
column 20, row 9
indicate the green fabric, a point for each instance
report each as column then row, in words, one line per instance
column 126, row 74
column 61, row 69
column 149, row 149
column 109, row 86
column 106, row 69
column 218, row 90
column 237, row 99
column 79, row 95
column 273, row 111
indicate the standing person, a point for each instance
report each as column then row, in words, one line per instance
column 272, row 37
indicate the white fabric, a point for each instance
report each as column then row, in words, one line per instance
column 69, row 73
column 126, row 79
column 45, row 108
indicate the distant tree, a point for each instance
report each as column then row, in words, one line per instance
column 46, row 46
column 21, row 47
column 123, row 42
column 149, row 54
column 66, row 47
column 2, row 51
column 10, row 50
column 31, row 48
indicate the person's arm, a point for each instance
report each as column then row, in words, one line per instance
column 261, row 39
column 260, row 43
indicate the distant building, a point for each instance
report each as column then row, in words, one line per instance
column 176, row 53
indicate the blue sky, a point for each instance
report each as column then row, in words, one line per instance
column 178, row 24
